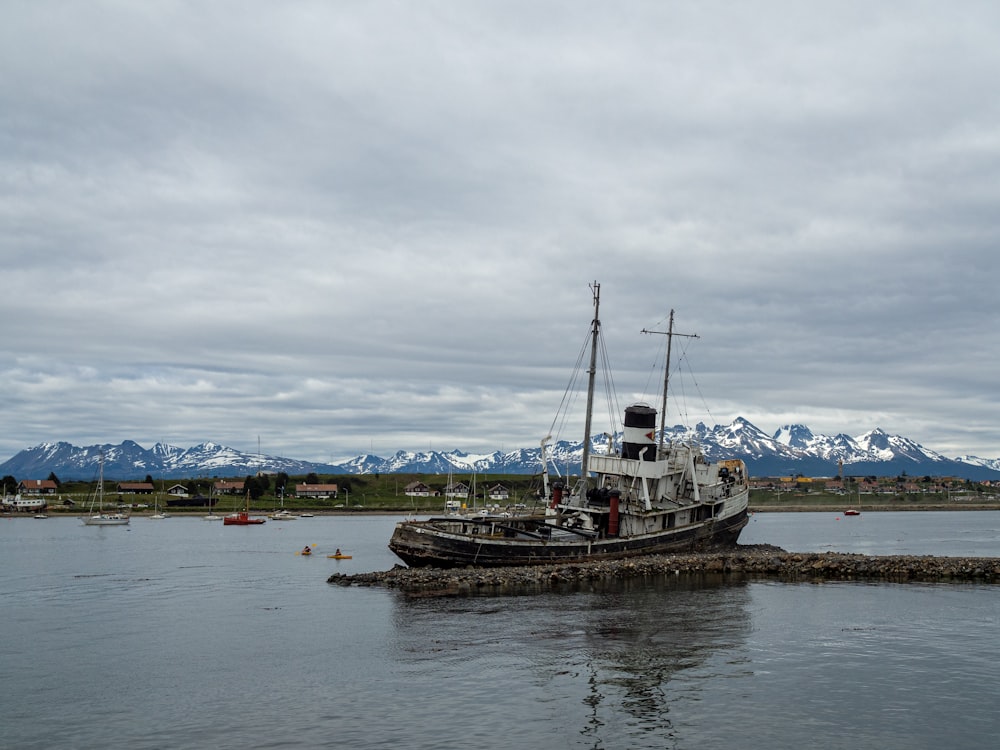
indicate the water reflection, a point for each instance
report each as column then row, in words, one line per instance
column 603, row 665
column 642, row 639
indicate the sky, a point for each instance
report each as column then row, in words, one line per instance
column 335, row 228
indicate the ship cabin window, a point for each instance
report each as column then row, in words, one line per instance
column 669, row 520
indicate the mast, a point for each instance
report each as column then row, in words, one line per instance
column 666, row 379
column 666, row 373
column 545, row 467
column 591, row 375
column 100, row 483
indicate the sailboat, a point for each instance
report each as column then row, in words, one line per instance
column 96, row 515
column 157, row 514
column 451, row 504
column 211, row 516
column 646, row 498
column 242, row 517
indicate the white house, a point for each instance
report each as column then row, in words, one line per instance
column 498, row 492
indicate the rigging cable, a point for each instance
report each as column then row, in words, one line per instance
column 610, row 392
column 570, row 394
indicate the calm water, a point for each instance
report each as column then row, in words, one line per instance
column 184, row 634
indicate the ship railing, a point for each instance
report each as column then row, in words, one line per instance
column 719, row 491
column 634, row 467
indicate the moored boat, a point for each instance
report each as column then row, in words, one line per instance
column 157, row 513
column 212, row 516
column 242, row 517
column 30, row 503
column 854, row 510
column 644, row 498
column 97, row 516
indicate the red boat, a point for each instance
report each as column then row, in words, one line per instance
column 242, row 517
column 852, row 512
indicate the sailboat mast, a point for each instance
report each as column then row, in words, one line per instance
column 591, row 376
column 100, row 483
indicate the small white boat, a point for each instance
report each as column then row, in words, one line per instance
column 283, row 515
column 98, row 517
column 106, row 519
column 211, row 516
column 157, row 513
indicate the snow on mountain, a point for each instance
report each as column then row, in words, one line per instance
column 740, row 437
column 887, row 447
column 792, row 449
column 794, row 436
column 987, row 463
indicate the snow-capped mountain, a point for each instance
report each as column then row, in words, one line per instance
column 130, row 461
column 792, row 449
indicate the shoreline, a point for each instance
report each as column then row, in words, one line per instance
column 874, row 508
column 148, row 512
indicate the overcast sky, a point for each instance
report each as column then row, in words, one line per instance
column 353, row 227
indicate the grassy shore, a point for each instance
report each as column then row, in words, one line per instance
column 365, row 493
column 766, row 500
column 386, row 494
column 873, row 508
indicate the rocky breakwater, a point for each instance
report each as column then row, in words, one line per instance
column 741, row 563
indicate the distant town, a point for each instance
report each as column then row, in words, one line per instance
column 432, row 492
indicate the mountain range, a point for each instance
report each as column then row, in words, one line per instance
column 793, row 449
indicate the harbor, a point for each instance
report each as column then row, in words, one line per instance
column 268, row 653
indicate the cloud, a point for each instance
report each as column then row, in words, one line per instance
column 345, row 227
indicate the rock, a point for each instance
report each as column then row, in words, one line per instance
column 744, row 562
